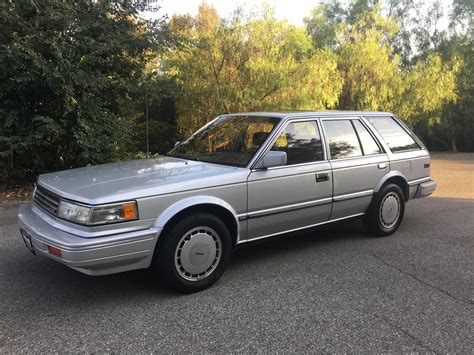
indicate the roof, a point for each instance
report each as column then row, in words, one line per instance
column 283, row 114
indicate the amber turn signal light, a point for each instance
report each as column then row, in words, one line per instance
column 130, row 211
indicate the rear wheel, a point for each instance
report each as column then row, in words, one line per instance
column 194, row 253
column 385, row 214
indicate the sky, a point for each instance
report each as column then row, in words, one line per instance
column 291, row 10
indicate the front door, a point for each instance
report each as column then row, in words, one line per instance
column 296, row 195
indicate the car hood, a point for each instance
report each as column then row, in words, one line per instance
column 135, row 179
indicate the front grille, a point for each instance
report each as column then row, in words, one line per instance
column 46, row 200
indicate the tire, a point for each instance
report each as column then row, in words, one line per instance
column 386, row 211
column 194, row 253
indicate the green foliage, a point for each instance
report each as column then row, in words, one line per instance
column 375, row 75
column 248, row 65
column 68, row 73
column 162, row 137
column 80, row 79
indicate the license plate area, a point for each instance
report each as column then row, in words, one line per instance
column 27, row 240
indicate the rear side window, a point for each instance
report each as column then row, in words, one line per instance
column 342, row 139
column 397, row 139
column 301, row 141
column 369, row 145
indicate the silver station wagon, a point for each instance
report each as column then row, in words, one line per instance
column 240, row 178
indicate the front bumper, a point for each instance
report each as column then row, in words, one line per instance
column 92, row 256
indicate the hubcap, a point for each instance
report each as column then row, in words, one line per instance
column 389, row 210
column 198, row 253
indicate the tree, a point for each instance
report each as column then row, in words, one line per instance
column 376, row 76
column 250, row 64
column 68, row 73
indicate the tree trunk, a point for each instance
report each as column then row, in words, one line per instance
column 454, row 148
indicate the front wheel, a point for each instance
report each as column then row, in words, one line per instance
column 194, row 253
column 385, row 214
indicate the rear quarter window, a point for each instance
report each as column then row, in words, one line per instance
column 396, row 137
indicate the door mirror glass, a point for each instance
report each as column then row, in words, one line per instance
column 271, row 159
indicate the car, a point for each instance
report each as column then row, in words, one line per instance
column 240, row 178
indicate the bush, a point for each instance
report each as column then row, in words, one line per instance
column 162, row 137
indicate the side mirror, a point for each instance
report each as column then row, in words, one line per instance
column 177, row 143
column 272, row 158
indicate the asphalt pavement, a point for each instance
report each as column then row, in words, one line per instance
column 331, row 289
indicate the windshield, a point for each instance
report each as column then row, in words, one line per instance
column 230, row 140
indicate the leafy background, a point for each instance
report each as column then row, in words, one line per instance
column 78, row 78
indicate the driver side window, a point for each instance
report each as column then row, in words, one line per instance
column 301, row 141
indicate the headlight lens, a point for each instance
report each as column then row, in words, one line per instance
column 114, row 213
column 74, row 213
column 98, row 215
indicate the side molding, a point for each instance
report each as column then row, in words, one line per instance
column 181, row 205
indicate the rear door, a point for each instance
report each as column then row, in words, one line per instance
column 358, row 162
column 296, row 195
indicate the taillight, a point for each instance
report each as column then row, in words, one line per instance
column 427, row 165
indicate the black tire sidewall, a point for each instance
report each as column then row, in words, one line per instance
column 373, row 219
column 165, row 252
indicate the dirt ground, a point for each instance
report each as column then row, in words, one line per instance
column 454, row 173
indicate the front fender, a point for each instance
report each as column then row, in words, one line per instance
column 181, row 205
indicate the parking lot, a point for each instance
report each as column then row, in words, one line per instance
column 332, row 289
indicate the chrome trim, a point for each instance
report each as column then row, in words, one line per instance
column 287, row 208
column 301, row 205
column 353, row 195
column 418, row 181
column 299, row 228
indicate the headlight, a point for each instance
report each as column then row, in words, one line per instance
column 98, row 215
column 74, row 213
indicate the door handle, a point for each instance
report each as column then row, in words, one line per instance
column 382, row 165
column 322, row 177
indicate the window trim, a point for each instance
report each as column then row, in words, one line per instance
column 358, row 137
column 381, row 148
column 271, row 141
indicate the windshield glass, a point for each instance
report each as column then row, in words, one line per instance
column 231, row 140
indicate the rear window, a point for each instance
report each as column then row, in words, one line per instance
column 397, row 139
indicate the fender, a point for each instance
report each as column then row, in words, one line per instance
column 181, row 205
column 387, row 176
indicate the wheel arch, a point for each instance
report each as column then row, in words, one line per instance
column 394, row 177
column 197, row 204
